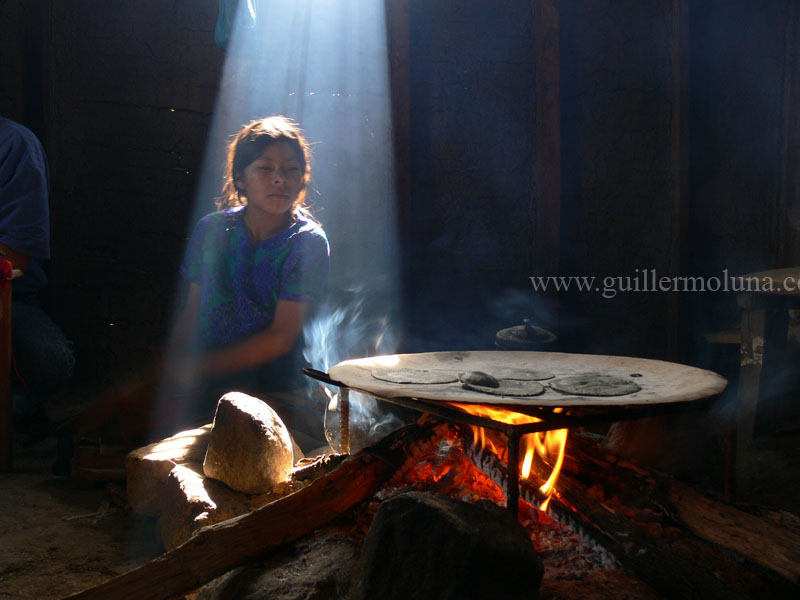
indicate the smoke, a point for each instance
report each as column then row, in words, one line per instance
column 354, row 323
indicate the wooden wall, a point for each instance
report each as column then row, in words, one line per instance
column 472, row 210
column 584, row 138
column 744, row 127
column 121, row 94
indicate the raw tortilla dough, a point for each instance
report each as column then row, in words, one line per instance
column 521, row 374
column 595, row 384
column 410, row 376
column 508, row 387
column 479, row 378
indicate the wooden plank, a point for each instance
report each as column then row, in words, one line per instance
column 711, row 520
column 764, row 543
column 678, row 261
column 398, row 39
column 788, row 141
column 547, row 134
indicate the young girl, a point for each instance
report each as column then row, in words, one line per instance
column 255, row 270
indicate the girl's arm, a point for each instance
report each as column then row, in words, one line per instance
column 263, row 347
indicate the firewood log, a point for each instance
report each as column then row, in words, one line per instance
column 679, row 542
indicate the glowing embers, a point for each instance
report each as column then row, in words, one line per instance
column 547, row 445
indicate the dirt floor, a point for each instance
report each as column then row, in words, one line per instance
column 59, row 537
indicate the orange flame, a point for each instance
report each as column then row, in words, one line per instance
column 549, row 445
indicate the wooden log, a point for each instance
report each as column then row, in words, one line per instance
column 218, row 548
column 627, row 510
column 661, row 562
column 759, row 540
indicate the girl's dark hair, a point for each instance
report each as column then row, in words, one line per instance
column 247, row 146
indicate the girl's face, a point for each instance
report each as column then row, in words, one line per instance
column 272, row 182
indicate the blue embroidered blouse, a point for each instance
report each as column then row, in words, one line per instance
column 241, row 284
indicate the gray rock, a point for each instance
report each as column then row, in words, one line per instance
column 147, row 468
column 316, row 567
column 423, row 546
column 249, row 448
column 191, row 501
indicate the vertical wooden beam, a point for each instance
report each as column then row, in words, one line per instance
column 679, row 174
column 547, row 133
column 397, row 36
column 788, row 221
column 752, row 365
column 33, row 66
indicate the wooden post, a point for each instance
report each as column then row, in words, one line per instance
column 547, row 132
column 788, row 141
column 752, row 364
column 399, row 49
column 678, row 261
column 5, row 379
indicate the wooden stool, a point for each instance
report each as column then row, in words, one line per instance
column 765, row 340
column 765, row 329
column 723, row 344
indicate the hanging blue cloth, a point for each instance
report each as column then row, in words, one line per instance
column 227, row 17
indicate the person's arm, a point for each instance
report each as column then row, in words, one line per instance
column 24, row 210
column 262, row 347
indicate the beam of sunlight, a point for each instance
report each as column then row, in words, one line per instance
column 323, row 63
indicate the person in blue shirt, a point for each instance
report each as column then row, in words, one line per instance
column 43, row 356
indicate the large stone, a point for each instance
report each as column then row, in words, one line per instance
column 316, row 567
column 192, row 501
column 147, row 468
column 249, row 448
column 424, row 545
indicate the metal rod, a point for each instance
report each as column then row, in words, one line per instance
column 320, row 376
column 512, row 494
column 344, row 419
column 446, row 412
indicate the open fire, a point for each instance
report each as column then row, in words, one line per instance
column 612, row 526
column 549, row 446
